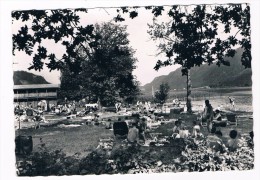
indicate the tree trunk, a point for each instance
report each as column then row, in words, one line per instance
column 188, row 102
column 48, row 106
column 99, row 104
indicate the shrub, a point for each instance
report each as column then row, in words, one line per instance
column 192, row 155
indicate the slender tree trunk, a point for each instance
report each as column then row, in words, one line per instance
column 99, row 104
column 48, row 106
column 188, row 102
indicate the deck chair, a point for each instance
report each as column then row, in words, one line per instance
column 232, row 118
column 222, row 123
column 120, row 129
column 23, row 145
column 29, row 112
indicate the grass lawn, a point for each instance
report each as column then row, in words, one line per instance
column 82, row 139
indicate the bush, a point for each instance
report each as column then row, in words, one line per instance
column 193, row 155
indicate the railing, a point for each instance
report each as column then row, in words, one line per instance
column 35, row 95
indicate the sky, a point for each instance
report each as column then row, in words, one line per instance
column 145, row 48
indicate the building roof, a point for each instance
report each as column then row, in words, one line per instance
column 36, row 86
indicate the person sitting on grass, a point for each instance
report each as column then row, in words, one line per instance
column 250, row 141
column 96, row 118
column 176, row 102
column 176, row 129
column 196, row 129
column 214, row 141
column 133, row 134
column 251, row 134
column 184, row 132
column 217, row 115
column 38, row 118
column 234, row 142
column 108, row 124
column 218, row 122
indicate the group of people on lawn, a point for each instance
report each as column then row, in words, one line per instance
column 213, row 122
column 135, row 134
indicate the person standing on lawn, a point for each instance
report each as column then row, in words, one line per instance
column 231, row 101
column 208, row 114
column 142, row 128
column 118, row 106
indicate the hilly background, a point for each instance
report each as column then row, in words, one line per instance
column 234, row 75
column 24, row 78
column 205, row 75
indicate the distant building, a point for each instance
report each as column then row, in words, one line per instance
column 33, row 93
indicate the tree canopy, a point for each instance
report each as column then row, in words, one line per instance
column 107, row 74
column 162, row 94
column 191, row 36
column 63, row 26
column 199, row 26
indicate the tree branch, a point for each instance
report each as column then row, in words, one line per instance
column 86, row 50
column 237, row 32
